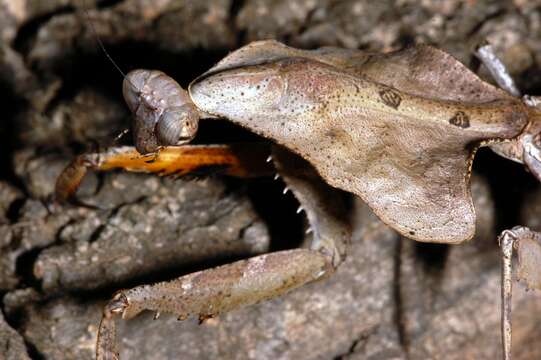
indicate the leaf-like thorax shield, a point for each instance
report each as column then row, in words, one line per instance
column 399, row 130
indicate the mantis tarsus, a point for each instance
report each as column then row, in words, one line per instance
column 400, row 130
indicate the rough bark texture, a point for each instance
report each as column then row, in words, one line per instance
column 11, row 343
column 392, row 298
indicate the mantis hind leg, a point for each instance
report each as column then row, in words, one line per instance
column 213, row 291
column 497, row 69
column 528, row 246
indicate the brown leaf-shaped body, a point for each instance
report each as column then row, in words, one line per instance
column 397, row 129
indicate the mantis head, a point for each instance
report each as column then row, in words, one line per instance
column 163, row 114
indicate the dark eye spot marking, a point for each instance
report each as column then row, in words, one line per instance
column 390, row 98
column 461, row 119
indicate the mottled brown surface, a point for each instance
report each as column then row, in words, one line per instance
column 390, row 299
column 406, row 157
column 11, row 343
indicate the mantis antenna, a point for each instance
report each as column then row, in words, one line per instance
column 98, row 40
column 102, row 47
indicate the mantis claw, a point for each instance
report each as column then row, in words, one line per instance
column 117, row 305
column 71, row 177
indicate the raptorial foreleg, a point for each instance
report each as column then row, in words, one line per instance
column 241, row 160
column 211, row 292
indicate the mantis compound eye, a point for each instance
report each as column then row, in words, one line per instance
column 177, row 125
column 532, row 154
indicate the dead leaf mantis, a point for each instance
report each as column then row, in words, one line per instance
column 400, row 130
